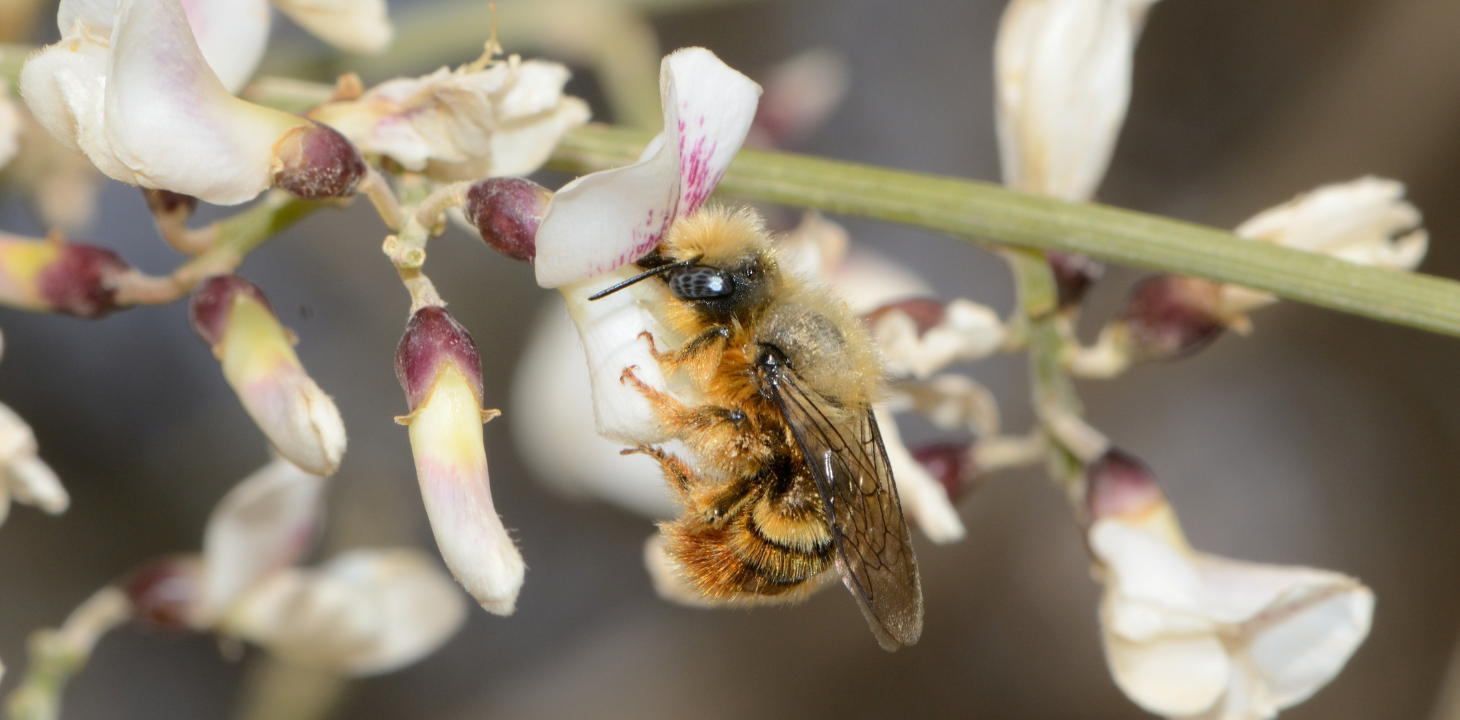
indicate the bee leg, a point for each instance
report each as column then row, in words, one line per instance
column 675, row 470
column 694, row 349
column 681, row 419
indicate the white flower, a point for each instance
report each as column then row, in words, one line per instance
column 1188, row 633
column 552, row 423
column 1063, row 69
column 362, row 613
column 10, row 125
column 359, row 26
column 233, row 34
column 264, row 524
column 24, row 477
column 1365, row 221
column 439, row 369
column 473, row 122
column 921, row 337
column 257, row 356
column 132, row 91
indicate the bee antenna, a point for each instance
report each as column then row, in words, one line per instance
column 645, row 276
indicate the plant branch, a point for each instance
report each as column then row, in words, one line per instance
column 237, row 236
column 986, row 213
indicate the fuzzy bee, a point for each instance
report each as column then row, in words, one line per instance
column 789, row 477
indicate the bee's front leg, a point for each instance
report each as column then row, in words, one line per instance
column 680, row 419
column 702, row 351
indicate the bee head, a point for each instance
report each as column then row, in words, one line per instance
column 718, row 261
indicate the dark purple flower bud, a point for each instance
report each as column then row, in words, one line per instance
column 314, row 161
column 1169, row 316
column 165, row 593
column 926, row 314
column 1073, row 275
column 212, row 304
column 79, row 281
column 432, row 338
column 953, row 465
column 1119, row 485
column 168, row 204
column 506, row 211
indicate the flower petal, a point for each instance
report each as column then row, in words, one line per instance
column 924, row 499
column 357, row 26
column 258, row 361
column 171, row 121
column 64, row 85
column 264, row 523
column 504, row 119
column 232, row 35
column 961, row 330
column 553, row 426
column 1170, row 676
column 365, row 612
column 451, row 465
column 26, row 477
column 610, row 328
column 1311, row 637
column 605, row 220
column 1064, row 72
column 1365, row 221
column 10, row 125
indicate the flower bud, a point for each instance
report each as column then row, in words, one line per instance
column 165, row 593
column 1169, row 316
column 439, row 369
column 1120, row 485
column 258, row 360
column 1073, row 275
column 314, row 161
column 953, row 465
column 506, row 211
column 63, row 277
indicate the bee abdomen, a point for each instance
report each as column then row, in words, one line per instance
column 740, row 559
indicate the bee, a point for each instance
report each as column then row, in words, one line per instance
column 791, row 480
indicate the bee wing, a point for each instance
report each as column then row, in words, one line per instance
column 874, row 549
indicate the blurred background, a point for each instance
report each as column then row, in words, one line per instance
column 1322, row 439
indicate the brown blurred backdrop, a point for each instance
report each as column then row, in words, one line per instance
column 1322, row 439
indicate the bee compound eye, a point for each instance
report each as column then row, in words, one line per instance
column 701, row 282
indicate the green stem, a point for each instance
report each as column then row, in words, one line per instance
column 986, row 213
column 1052, row 393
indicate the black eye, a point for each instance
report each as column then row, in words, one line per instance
column 700, row 282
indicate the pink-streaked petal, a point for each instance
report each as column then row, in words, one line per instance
column 603, row 221
column 264, row 523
